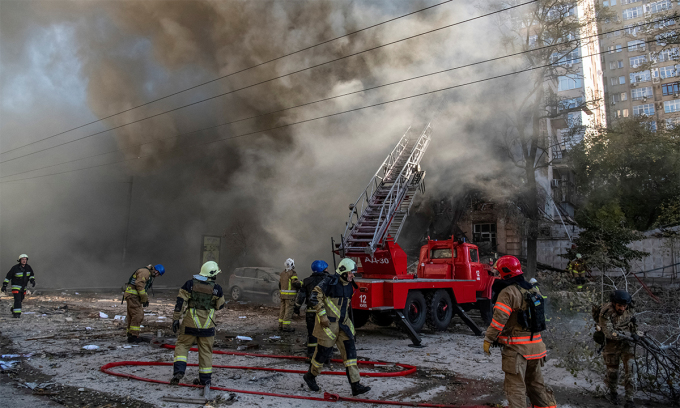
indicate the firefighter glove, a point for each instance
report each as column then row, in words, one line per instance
column 487, row 346
column 33, row 283
column 324, row 321
column 175, row 326
column 4, row 288
column 296, row 310
column 145, row 304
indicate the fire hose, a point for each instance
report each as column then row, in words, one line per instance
column 327, row 397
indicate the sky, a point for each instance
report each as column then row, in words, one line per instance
column 140, row 194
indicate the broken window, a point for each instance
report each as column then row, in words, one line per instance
column 485, row 233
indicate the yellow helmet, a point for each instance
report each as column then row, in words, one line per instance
column 210, row 269
column 346, row 265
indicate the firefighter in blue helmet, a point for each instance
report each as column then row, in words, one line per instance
column 137, row 298
column 332, row 302
column 319, row 272
column 201, row 296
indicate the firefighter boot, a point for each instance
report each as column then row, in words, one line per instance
column 629, row 404
column 613, row 397
column 176, row 378
column 357, row 388
column 288, row 329
column 133, row 339
column 311, row 381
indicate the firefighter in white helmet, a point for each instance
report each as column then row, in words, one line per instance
column 201, row 296
column 289, row 284
column 332, row 300
column 20, row 275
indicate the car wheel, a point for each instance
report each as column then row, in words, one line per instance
column 276, row 297
column 440, row 310
column 360, row 317
column 236, row 293
column 415, row 310
column 383, row 319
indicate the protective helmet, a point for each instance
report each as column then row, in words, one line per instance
column 578, row 256
column 290, row 264
column 319, row 266
column 621, row 297
column 346, row 265
column 508, row 266
column 160, row 269
column 210, row 269
column 22, row 256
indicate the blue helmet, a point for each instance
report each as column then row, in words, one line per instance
column 319, row 266
column 160, row 268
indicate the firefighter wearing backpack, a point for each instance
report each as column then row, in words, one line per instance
column 202, row 296
column 616, row 319
column 137, row 298
column 332, row 302
column 517, row 321
column 288, row 285
column 319, row 272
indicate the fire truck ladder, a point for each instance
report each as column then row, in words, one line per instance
column 383, row 206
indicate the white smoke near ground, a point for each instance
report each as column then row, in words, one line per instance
column 290, row 187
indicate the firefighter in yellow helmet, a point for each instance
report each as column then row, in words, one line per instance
column 201, row 296
column 137, row 298
column 289, row 284
column 332, row 300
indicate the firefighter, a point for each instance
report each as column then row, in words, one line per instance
column 617, row 318
column 137, row 298
column 202, row 296
column 577, row 270
column 523, row 350
column 319, row 272
column 332, row 301
column 288, row 286
column 20, row 275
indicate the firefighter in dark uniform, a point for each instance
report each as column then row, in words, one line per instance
column 137, row 298
column 319, row 272
column 202, row 296
column 523, row 350
column 332, row 300
column 20, row 275
column 617, row 318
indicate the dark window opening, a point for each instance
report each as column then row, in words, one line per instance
column 485, row 233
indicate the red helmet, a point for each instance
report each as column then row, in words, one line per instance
column 508, row 266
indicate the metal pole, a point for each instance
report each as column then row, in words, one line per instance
column 333, row 252
column 127, row 223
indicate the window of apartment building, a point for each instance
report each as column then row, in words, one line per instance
column 617, row 113
column 619, row 63
column 485, row 233
column 652, row 126
column 658, row 6
column 632, row 12
column 632, row 29
column 625, row 113
column 637, row 61
column 671, row 106
column 636, row 45
column 646, row 109
column 668, row 55
column 616, row 98
column 671, row 89
column 624, row 96
column 611, row 49
column 668, row 72
column 622, row 80
column 565, row 104
column 619, row 48
column 608, row 3
column 569, row 81
column 574, row 119
column 640, row 93
column 613, row 80
column 641, row 76
column 624, row 2
column 612, row 65
column 671, row 123
column 616, row 33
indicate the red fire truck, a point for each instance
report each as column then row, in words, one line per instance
column 449, row 278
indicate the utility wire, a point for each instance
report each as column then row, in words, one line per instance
column 324, row 116
column 322, row 100
column 233, row 73
column 273, row 79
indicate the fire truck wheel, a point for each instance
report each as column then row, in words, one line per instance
column 360, row 317
column 236, row 293
column 439, row 310
column 415, row 309
column 383, row 319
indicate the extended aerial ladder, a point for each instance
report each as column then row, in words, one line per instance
column 378, row 215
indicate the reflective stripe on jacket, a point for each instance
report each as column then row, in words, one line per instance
column 289, row 284
column 141, row 276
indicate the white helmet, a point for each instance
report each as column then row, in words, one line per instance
column 290, row 264
column 210, row 269
column 22, row 256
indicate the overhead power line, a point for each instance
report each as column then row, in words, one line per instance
column 271, row 79
column 320, row 100
column 320, row 117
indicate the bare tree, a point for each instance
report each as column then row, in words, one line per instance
column 238, row 239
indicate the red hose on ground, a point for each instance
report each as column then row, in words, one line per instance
column 327, row 397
